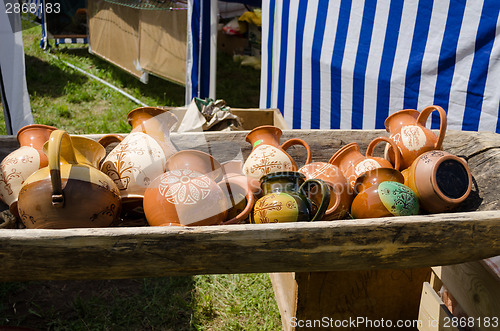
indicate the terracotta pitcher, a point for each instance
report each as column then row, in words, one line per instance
column 267, row 155
column 24, row 161
column 407, row 129
column 341, row 194
column 285, row 199
column 353, row 164
column 441, row 180
column 381, row 193
column 69, row 192
column 141, row 156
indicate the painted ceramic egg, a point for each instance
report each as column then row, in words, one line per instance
column 399, row 199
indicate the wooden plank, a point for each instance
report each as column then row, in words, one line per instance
column 285, row 290
column 433, row 311
column 476, row 290
column 397, row 242
column 367, row 297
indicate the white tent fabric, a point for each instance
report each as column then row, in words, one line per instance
column 15, row 98
column 350, row 63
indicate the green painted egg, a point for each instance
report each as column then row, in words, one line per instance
column 399, row 199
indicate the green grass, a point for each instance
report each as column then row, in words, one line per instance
column 69, row 100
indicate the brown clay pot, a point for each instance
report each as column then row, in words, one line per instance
column 407, row 129
column 69, row 192
column 341, row 194
column 440, row 180
column 353, row 164
column 24, row 161
column 184, row 197
column 267, row 155
column 196, row 160
column 381, row 193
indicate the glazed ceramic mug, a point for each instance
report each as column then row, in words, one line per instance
column 285, row 199
column 341, row 194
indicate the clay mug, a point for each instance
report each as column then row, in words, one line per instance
column 268, row 155
column 341, row 194
column 440, row 180
column 17, row 166
column 407, row 129
column 69, row 192
column 353, row 164
column 141, row 156
column 285, row 199
column 381, row 193
column 184, row 197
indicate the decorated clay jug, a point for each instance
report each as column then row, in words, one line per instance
column 407, row 129
column 285, row 199
column 381, row 193
column 24, row 161
column 440, row 180
column 353, row 164
column 141, row 156
column 184, row 197
column 341, row 194
column 267, row 155
column 70, row 192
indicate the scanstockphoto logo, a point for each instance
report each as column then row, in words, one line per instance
column 23, row 14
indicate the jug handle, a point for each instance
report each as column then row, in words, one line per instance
column 325, row 200
column 297, row 141
column 56, row 141
column 397, row 154
column 245, row 212
column 109, row 139
column 422, row 119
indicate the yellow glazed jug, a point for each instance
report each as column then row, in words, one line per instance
column 70, row 192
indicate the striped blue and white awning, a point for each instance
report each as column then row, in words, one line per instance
column 350, row 63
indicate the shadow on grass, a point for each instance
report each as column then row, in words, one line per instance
column 128, row 304
column 48, row 80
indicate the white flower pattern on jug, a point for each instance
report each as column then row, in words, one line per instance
column 184, row 186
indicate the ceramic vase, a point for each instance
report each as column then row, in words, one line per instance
column 285, row 199
column 142, row 155
column 341, row 194
column 440, row 180
column 407, row 129
column 381, row 193
column 70, row 192
column 353, row 163
column 268, row 155
column 16, row 167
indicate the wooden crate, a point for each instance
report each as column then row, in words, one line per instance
column 250, row 117
column 337, row 269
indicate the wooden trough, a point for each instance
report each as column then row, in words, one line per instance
column 372, row 268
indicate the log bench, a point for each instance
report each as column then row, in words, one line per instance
column 371, row 268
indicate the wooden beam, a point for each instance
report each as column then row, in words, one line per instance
column 395, row 243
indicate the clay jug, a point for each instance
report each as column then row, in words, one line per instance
column 285, row 199
column 353, row 164
column 267, row 155
column 341, row 194
column 440, row 180
column 381, row 193
column 184, row 197
column 141, row 156
column 407, row 129
column 69, row 192
column 24, row 161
